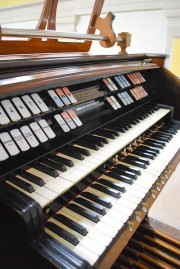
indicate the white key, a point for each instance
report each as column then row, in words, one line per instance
column 9, row 144
column 55, row 98
column 21, row 107
column 62, row 123
column 29, row 136
column 39, row 102
column 3, row 154
column 38, row 132
column 3, row 117
column 31, row 105
column 11, row 111
column 43, row 191
column 47, row 129
column 19, row 139
column 39, row 198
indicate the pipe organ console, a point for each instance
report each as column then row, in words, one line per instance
column 87, row 143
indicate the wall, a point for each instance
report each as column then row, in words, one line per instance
column 175, row 62
column 154, row 24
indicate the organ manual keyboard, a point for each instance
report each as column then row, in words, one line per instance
column 87, row 143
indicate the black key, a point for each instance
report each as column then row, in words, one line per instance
column 160, row 137
column 144, row 154
column 53, row 164
column 164, row 134
column 94, row 140
column 148, row 147
column 84, row 212
column 97, row 199
column 34, row 179
column 112, row 185
column 72, row 153
column 115, row 127
column 153, row 144
column 71, row 224
column 104, row 133
column 146, row 151
column 157, row 141
column 103, row 139
column 106, row 190
column 135, row 163
column 168, row 131
column 120, row 177
column 126, row 168
column 116, row 133
column 125, row 173
column 62, row 233
column 22, row 184
column 61, row 160
column 46, row 169
column 87, row 144
column 136, row 158
column 93, row 206
column 84, row 152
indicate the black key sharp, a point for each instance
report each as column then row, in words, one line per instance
column 22, row 184
column 61, row 160
column 144, row 154
column 160, row 137
column 71, row 224
column 84, row 212
column 72, row 153
column 62, row 233
column 168, row 131
column 106, row 190
column 46, row 169
column 164, row 134
column 116, row 133
column 153, row 144
column 84, row 152
column 120, row 177
column 34, row 179
column 115, row 127
column 91, row 205
column 53, row 164
column 97, row 199
column 103, row 139
column 135, row 163
column 136, row 158
column 104, row 133
column 87, row 144
column 112, row 185
column 126, row 168
column 157, row 141
column 94, row 140
column 124, row 172
column 146, row 150
column 148, row 147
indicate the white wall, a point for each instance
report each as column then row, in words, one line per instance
column 148, row 29
column 153, row 23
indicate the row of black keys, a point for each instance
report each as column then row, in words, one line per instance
column 52, row 163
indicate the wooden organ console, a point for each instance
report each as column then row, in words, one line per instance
column 87, row 143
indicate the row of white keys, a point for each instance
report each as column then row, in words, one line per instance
column 34, row 195
column 59, row 185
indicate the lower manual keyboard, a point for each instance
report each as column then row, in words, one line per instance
column 102, row 214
